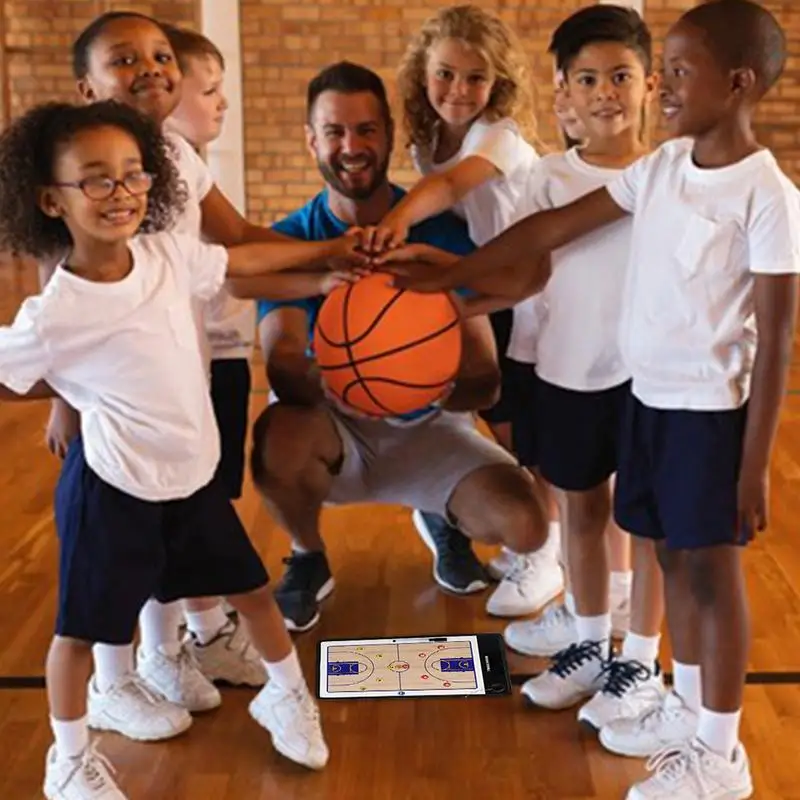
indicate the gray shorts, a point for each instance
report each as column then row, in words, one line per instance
column 418, row 466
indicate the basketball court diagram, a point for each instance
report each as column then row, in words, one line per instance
column 401, row 668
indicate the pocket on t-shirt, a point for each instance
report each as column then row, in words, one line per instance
column 705, row 246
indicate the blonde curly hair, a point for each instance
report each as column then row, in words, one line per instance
column 512, row 95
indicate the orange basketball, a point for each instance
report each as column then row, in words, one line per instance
column 384, row 351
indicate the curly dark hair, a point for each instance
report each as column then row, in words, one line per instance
column 27, row 157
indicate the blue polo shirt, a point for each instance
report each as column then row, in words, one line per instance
column 315, row 222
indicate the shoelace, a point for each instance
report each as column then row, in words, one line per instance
column 672, row 764
column 575, row 656
column 301, row 567
column 622, row 676
column 554, row 616
column 141, row 687
column 240, row 644
column 96, row 768
column 658, row 714
column 519, row 570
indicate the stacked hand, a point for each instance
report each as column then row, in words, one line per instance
column 383, row 248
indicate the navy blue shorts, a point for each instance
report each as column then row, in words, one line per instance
column 502, row 410
column 524, row 433
column 116, row 551
column 678, row 475
column 230, row 396
column 578, row 434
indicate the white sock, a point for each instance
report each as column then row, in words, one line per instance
column 569, row 602
column 158, row 623
column 205, row 625
column 686, row 683
column 287, row 673
column 111, row 662
column 620, row 585
column 643, row 649
column 719, row 731
column 72, row 736
column 593, row 629
column 553, row 543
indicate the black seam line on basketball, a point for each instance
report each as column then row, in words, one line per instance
column 363, row 383
column 393, row 351
column 370, row 327
column 404, row 384
column 349, row 348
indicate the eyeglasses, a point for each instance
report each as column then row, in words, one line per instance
column 134, row 183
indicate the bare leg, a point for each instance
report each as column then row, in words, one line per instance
column 295, row 453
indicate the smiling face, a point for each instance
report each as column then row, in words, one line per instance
column 84, row 168
column 201, row 111
column 696, row 92
column 608, row 89
column 458, row 82
column 351, row 140
column 131, row 61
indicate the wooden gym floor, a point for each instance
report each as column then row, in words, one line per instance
column 427, row 749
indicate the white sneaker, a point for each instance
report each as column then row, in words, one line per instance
column 292, row 718
column 87, row 777
column 532, row 582
column 629, row 689
column 575, row 673
column 669, row 724
column 130, row 707
column 620, row 615
column 500, row 565
column 693, row 772
column 228, row 657
column 551, row 633
column 179, row 679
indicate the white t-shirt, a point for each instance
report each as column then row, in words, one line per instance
column 126, row 356
column 229, row 322
column 580, row 307
column 490, row 207
column 527, row 314
column 699, row 236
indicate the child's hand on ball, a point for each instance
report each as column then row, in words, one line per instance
column 331, row 280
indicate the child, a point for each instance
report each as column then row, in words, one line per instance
column 127, row 57
column 218, row 644
column 139, row 510
column 706, row 330
column 465, row 85
column 555, row 629
column 605, row 53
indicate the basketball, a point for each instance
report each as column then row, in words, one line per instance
column 384, row 351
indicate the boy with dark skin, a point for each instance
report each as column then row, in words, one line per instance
column 713, row 271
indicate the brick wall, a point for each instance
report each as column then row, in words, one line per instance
column 285, row 42
column 778, row 119
column 39, row 34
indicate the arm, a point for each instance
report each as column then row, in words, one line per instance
column 478, row 381
column 288, row 286
column 512, row 262
column 775, row 309
column 259, row 258
column 64, row 422
column 291, row 372
column 223, row 224
column 435, row 193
